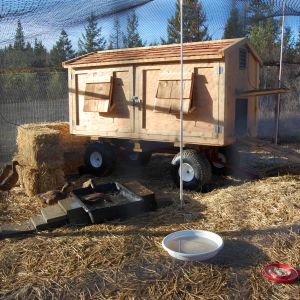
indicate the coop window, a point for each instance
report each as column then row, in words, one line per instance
column 243, row 58
column 168, row 96
column 98, row 96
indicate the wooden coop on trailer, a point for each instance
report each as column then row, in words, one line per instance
column 130, row 99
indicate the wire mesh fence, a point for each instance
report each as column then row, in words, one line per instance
column 29, row 98
column 33, row 87
column 289, row 126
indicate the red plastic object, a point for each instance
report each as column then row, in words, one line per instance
column 280, row 273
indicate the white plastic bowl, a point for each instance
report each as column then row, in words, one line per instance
column 193, row 245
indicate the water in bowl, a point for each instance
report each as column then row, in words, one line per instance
column 192, row 245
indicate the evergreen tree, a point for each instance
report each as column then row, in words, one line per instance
column 154, row 43
column 298, row 44
column 62, row 50
column 194, row 27
column 233, row 27
column 19, row 37
column 29, row 54
column 256, row 12
column 263, row 31
column 92, row 39
column 110, row 45
column 289, row 51
column 16, row 55
column 132, row 38
column 115, row 39
column 40, row 54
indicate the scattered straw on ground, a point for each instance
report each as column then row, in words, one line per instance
column 259, row 220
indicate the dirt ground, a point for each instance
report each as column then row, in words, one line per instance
column 259, row 221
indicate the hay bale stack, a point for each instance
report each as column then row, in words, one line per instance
column 38, row 181
column 39, row 147
column 73, row 147
column 68, row 141
column 47, row 152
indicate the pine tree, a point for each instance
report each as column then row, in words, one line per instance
column 298, row 44
column 263, row 31
column 29, row 54
column 289, row 45
column 40, row 54
column 92, row 39
column 257, row 11
column 19, row 43
column 194, row 27
column 233, row 27
column 154, row 43
column 62, row 50
column 132, row 38
column 115, row 39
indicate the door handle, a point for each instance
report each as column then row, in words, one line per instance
column 136, row 101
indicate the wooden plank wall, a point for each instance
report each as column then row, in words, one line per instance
column 142, row 122
column 120, row 118
column 198, row 125
column 236, row 79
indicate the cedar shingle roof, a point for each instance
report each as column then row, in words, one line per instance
column 205, row 49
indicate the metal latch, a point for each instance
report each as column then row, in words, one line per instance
column 219, row 70
column 218, row 129
column 136, row 100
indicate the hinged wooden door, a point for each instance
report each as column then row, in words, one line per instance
column 158, row 114
column 104, row 102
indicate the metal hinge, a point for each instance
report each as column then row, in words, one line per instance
column 218, row 129
column 136, row 100
column 219, row 70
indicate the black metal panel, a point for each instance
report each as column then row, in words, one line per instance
column 243, row 58
column 101, row 211
column 241, row 117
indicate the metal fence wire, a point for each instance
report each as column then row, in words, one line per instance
column 33, row 85
column 29, row 98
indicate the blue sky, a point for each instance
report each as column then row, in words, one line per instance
column 45, row 18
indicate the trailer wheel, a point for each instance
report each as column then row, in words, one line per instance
column 228, row 159
column 208, row 169
column 138, row 158
column 99, row 158
column 196, row 169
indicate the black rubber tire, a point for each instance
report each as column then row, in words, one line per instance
column 232, row 160
column 106, row 152
column 200, row 165
column 138, row 158
column 208, row 171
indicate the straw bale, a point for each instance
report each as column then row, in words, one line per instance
column 50, row 145
column 73, row 147
column 38, row 181
column 68, row 141
column 39, row 147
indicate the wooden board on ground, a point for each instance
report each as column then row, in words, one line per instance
column 275, row 149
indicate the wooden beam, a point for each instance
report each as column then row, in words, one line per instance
column 275, row 149
column 145, row 60
column 201, row 49
column 262, row 92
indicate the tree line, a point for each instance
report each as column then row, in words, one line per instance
column 26, row 55
column 263, row 33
